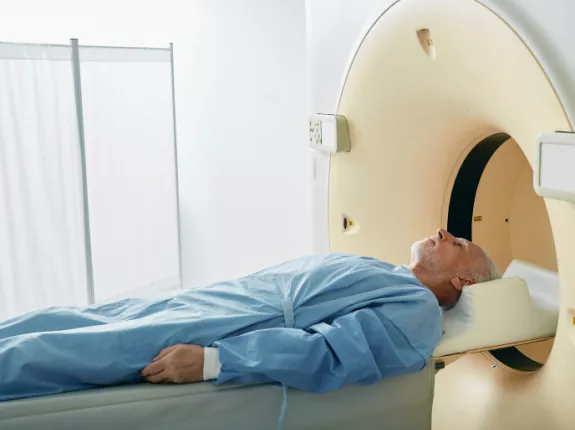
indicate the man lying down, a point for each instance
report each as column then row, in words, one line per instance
column 316, row 323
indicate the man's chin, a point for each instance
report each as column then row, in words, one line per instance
column 418, row 246
column 420, row 251
column 416, row 252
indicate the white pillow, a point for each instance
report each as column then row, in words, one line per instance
column 495, row 313
column 543, row 284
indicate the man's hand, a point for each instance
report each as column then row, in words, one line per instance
column 178, row 364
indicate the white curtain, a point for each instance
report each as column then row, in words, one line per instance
column 130, row 164
column 42, row 250
column 130, row 167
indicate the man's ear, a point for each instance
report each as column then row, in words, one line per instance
column 459, row 283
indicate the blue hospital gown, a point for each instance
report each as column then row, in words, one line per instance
column 315, row 323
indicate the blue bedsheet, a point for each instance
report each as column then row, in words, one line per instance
column 315, row 323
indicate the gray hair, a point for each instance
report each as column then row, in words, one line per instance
column 483, row 274
column 479, row 273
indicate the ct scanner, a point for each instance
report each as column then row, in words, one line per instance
column 445, row 115
column 441, row 119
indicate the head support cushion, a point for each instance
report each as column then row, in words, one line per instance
column 495, row 313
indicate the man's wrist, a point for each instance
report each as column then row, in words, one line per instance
column 211, row 363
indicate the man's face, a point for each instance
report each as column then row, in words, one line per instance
column 446, row 254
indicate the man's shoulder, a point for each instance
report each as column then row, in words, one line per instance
column 355, row 258
column 348, row 264
column 332, row 258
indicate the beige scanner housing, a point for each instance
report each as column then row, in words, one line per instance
column 431, row 81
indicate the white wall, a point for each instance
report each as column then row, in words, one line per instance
column 241, row 112
column 244, row 137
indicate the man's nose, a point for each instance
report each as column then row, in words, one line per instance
column 443, row 234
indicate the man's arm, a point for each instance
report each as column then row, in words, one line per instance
column 361, row 347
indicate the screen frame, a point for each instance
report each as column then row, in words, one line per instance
column 554, row 138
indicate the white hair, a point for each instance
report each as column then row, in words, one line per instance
column 477, row 273
column 481, row 273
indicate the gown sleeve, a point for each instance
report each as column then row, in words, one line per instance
column 361, row 347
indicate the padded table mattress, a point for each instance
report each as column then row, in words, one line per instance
column 398, row 403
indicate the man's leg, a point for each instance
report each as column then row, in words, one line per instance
column 68, row 318
column 44, row 320
column 37, row 364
